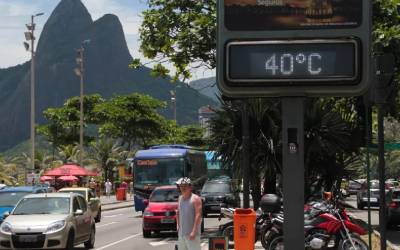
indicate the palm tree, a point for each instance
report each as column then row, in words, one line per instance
column 264, row 123
column 69, row 153
column 108, row 154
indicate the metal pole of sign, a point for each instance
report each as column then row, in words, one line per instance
column 245, row 155
column 293, row 171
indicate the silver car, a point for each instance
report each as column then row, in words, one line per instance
column 48, row 221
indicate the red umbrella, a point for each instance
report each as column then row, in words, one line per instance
column 68, row 178
column 68, row 169
column 46, row 178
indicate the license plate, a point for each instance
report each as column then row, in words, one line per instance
column 373, row 200
column 28, row 238
column 167, row 220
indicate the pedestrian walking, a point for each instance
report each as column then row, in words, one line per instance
column 108, row 186
column 188, row 216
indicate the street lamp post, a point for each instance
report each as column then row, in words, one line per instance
column 173, row 102
column 80, row 71
column 29, row 36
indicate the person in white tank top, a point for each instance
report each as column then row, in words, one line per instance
column 188, row 218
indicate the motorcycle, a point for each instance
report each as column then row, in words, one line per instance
column 326, row 226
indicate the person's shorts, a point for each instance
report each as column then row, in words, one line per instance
column 184, row 243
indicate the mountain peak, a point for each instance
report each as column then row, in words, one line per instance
column 68, row 19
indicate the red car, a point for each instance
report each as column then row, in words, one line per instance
column 160, row 214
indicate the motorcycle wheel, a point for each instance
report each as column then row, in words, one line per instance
column 345, row 244
column 275, row 243
column 228, row 232
column 266, row 236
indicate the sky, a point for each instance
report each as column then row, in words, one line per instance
column 14, row 14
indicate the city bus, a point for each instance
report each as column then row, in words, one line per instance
column 215, row 166
column 164, row 165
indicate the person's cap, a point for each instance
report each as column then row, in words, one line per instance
column 183, row 181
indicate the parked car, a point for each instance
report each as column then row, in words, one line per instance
column 393, row 207
column 9, row 196
column 362, row 195
column 217, row 193
column 90, row 197
column 43, row 221
column 160, row 213
column 354, row 186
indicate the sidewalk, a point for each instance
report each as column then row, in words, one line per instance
column 111, row 203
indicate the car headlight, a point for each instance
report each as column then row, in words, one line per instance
column 6, row 228
column 55, row 227
column 147, row 213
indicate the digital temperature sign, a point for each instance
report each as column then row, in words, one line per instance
column 292, row 61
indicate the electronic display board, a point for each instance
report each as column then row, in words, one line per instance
column 299, row 61
column 272, row 48
column 292, row 14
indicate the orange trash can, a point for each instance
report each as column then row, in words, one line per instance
column 244, row 228
column 121, row 194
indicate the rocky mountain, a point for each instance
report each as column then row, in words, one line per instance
column 106, row 68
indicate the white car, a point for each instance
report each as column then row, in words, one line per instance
column 48, row 221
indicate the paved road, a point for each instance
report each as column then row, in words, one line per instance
column 393, row 235
column 122, row 229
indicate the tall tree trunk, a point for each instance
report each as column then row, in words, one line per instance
column 270, row 182
column 255, row 184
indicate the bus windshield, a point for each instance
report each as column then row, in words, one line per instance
column 158, row 171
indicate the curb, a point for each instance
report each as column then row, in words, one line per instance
column 115, row 207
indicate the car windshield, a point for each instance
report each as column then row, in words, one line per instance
column 158, row 171
column 81, row 192
column 164, row 195
column 9, row 199
column 43, row 205
column 216, row 187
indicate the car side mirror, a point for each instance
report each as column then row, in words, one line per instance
column 78, row 212
column 146, row 202
column 6, row 214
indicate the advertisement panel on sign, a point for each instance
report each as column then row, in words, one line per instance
column 292, row 14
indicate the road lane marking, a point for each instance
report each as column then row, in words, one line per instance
column 160, row 243
column 117, row 242
column 106, row 224
column 111, row 216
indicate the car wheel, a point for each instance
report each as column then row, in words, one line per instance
column 98, row 217
column 90, row 243
column 360, row 205
column 146, row 233
column 70, row 241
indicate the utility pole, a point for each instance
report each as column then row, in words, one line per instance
column 80, row 71
column 29, row 36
